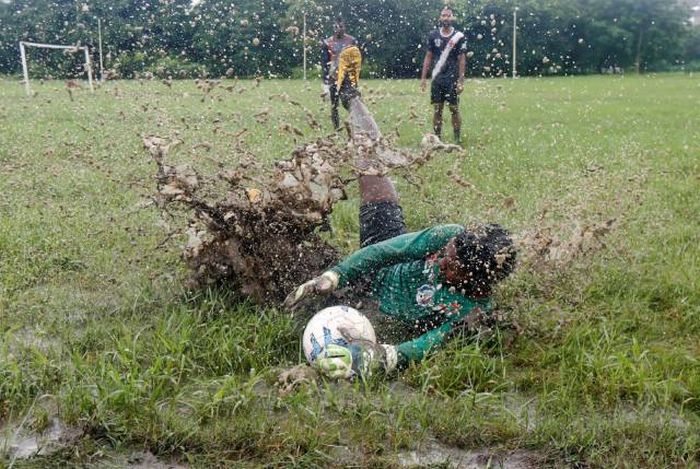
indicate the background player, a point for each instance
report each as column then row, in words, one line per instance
column 331, row 49
column 446, row 57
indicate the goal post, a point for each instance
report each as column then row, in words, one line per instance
column 25, row 70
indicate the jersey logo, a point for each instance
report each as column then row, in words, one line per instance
column 438, row 42
column 424, row 295
column 448, row 309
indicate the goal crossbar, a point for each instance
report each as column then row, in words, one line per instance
column 23, row 54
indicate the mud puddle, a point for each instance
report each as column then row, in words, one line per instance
column 135, row 460
column 18, row 444
column 436, row 454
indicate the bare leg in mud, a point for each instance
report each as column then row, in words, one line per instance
column 456, row 123
column 381, row 216
column 437, row 119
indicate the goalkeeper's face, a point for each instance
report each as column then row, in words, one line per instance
column 452, row 267
column 462, row 276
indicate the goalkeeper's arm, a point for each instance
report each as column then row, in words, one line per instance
column 415, row 350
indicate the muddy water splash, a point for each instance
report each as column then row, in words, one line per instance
column 262, row 238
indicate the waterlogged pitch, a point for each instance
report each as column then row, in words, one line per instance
column 107, row 358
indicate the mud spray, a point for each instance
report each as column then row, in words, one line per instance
column 261, row 237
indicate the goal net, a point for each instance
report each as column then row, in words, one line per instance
column 74, row 49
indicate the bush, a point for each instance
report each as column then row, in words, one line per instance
column 313, row 72
column 175, row 67
column 128, row 64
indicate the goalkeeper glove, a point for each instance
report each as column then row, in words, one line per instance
column 323, row 284
column 359, row 358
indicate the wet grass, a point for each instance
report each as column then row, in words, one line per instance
column 95, row 326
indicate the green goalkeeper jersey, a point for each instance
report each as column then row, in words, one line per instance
column 406, row 281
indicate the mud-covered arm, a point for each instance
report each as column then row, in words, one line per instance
column 404, row 248
column 415, row 350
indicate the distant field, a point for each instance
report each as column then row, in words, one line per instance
column 99, row 340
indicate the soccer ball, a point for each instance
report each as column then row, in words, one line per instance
column 335, row 325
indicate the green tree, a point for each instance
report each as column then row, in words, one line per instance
column 248, row 36
column 264, row 37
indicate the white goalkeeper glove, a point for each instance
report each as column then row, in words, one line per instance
column 321, row 285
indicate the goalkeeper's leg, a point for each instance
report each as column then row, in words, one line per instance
column 381, row 216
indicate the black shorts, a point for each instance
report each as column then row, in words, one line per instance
column 441, row 91
column 347, row 92
column 380, row 221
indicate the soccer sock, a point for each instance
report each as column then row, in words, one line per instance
column 335, row 118
column 437, row 129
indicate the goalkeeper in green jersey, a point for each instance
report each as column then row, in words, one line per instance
column 429, row 280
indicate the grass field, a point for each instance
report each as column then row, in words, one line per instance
column 99, row 337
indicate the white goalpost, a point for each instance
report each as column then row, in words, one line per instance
column 23, row 54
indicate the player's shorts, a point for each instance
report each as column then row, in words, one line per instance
column 380, row 221
column 346, row 93
column 441, row 91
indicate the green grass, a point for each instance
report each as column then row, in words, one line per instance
column 95, row 325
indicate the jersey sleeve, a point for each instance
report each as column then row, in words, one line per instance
column 415, row 350
column 430, row 45
column 404, row 248
column 462, row 45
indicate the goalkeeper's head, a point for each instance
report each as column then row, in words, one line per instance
column 477, row 259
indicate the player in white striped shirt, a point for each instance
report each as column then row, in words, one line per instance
column 446, row 57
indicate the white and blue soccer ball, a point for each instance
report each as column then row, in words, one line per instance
column 335, row 325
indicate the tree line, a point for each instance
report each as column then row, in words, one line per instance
column 245, row 38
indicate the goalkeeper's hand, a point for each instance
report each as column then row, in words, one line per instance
column 325, row 91
column 321, row 285
column 358, row 359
